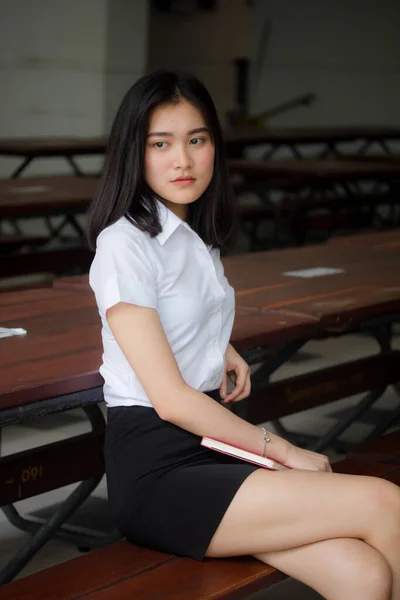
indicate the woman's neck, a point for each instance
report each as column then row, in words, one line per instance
column 180, row 210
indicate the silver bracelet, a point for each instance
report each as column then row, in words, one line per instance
column 266, row 440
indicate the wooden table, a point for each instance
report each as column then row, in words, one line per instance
column 367, row 283
column 363, row 295
column 326, row 195
column 40, row 375
column 55, row 366
column 327, row 139
column 292, row 138
column 46, row 199
column 44, row 147
column 62, row 351
column 41, row 196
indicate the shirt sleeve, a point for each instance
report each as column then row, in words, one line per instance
column 122, row 271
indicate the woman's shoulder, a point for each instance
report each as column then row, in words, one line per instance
column 121, row 233
column 121, row 250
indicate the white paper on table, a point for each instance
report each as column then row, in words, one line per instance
column 314, row 272
column 9, row 331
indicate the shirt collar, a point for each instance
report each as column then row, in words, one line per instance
column 169, row 222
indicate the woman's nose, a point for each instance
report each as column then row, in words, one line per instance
column 182, row 158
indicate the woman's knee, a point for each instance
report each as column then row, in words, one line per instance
column 376, row 578
column 360, row 571
column 336, row 568
column 384, row 497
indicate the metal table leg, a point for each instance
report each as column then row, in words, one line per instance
column 75, row 168
column 269, row 364
column 21, row 168
column 41, row 533
column 380, row 328
column 344, row 423
column 46, row 531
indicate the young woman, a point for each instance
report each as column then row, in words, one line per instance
column 163, row 212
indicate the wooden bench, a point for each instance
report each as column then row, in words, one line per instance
column 383, row 449
column 123, row 571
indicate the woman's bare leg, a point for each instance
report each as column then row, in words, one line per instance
column 337, row 569
column 275, row 511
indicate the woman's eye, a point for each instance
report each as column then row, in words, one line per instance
column 159, row 144
column 196, row 141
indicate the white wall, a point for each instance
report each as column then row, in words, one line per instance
column 126, row 50
column 64, row 67
column 203, row 43
column 346, row 51
column 52, row 55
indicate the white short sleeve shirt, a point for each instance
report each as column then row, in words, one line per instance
column 183, row 279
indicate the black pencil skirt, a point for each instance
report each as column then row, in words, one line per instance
column 165, row 490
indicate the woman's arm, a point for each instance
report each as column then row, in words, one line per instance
column 139, row 333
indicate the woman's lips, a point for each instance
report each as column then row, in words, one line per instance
column 184, row 182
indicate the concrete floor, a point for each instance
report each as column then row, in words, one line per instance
column 93, row 515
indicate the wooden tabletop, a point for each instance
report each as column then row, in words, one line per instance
column 45, row 195
column 250, row 271
column 374, row 241
column 365, row 280
column 266, row 269
column 52, row 146
column 37, row 196
column 61, row 352
column 338, row 300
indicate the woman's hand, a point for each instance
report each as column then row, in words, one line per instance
column 298, row 458
column 238, row 372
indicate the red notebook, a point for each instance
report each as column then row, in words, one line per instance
column 262, row 461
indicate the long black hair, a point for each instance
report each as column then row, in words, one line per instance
column 123, row 190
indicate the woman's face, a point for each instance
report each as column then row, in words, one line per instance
column 179, row 156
